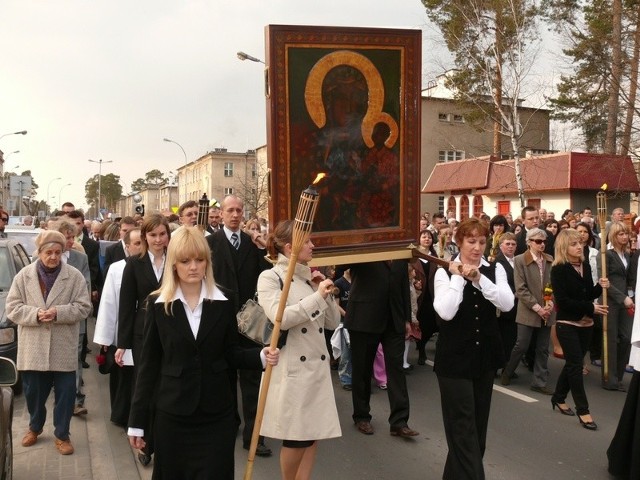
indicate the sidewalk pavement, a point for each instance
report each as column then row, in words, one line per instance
column 102, row 450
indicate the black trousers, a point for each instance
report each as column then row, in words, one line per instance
column 574, row 341
column 250, row 389
column 508, row 334
column 465, row 412
column 363, row 352
column 120, row 381
column 619, row 329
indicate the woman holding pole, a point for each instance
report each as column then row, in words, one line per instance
column 620, row 320
column 300, row 408
column 574, row 293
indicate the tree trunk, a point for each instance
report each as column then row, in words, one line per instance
column 516, row 156
column 616, row 75
column 497, row 88
column 625, row 141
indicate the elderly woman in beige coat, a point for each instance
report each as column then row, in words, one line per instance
column 300, row 407
column 531, row 274
column 47, row 300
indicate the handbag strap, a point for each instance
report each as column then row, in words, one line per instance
column 255, row 295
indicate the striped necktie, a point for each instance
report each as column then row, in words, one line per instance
column 235, row 241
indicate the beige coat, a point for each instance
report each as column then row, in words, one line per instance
column 301, row 403
column 50, row 346
column 530, row 289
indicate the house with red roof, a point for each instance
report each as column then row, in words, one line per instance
column 554, row 181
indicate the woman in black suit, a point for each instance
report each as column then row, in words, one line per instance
column 574, row 293
column 190, row 343
column 620, row 322
column 140, row 277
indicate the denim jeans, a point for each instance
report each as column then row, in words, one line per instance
column 344, row 367
column 79, row 395
column 37, row 386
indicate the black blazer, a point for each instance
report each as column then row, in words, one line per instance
column 573, row 294
column 113, row 254
column 180, row 373
column 618, row 276
column 425, row 299
column 502, row 260
column 138, row 281
column 237, row 270
column 92, row 249
column 379, row 294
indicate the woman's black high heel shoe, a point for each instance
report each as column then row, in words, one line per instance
column 564, row 411
column 588, row 425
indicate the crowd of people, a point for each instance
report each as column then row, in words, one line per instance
column 166, row 294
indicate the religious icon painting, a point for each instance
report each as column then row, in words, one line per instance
column 346, row 102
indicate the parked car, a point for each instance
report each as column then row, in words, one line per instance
column 8, row 378
column 13, row 257
column 25, row 235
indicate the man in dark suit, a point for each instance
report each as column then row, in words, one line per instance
column 117, row 251
column 92, row 250
column 378, row 312
column 214, row 219
column 530, row 219
column 507, row 320
column 79, row 261
column 237, row 263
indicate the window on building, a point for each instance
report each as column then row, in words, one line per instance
column 228, row 191
column 443, row 117
column 458, row 118
column 441, row 203
column 254, row 173
column 464, row 207
column 228, row 169
column 504, row 207
column 450, row 155
column 534, row 202
column 451, row 204
column 478, row 206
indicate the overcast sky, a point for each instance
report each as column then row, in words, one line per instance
column 110, row 79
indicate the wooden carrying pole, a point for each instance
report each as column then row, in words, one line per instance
column 601, row 200
column 301, row 231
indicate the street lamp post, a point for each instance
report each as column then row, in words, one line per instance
column 245, row 56
column 185, row 163
column 48, row 186
column 21, row 132
column 62, row 188
column 99, row 162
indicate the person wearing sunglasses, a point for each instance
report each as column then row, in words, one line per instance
column 532, row 271
column 4, row 221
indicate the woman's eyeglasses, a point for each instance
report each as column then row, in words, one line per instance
column 538, row 241
column 4, row 219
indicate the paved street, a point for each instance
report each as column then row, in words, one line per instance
column 526, row 439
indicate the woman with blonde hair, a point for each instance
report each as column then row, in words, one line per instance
column 186, row 371
column 620, row 320
column 574, row 294
column 254, row 230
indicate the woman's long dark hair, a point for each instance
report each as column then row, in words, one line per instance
column 592, row 241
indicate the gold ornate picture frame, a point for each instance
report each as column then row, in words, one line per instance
column 346, row 102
